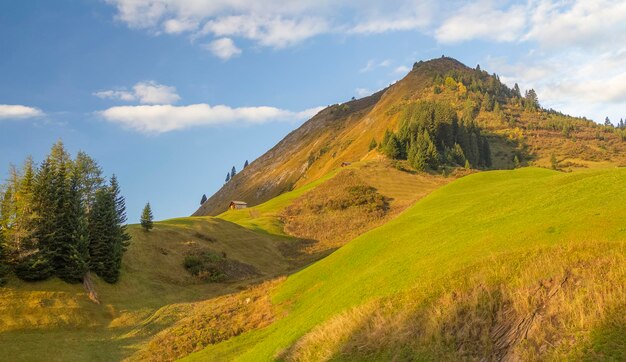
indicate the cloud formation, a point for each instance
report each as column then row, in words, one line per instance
column 272, row 23
column 149, row 92
column 16, row 111
column 224, row 48
column 587, row 39
column 156, row 119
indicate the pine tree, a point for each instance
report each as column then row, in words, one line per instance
column 146, row 218
column 203, row 200
column 102, row 234
column 554, row 163
column 120, row 211
column 516, row 91
column 607, row 122
column 36, row 264
column 233, row 172
column 122, row 238
column 65, row 245
column 373, row 144
column 245, row 164
column 227, row 177
column 417, row 157
column 392, row 148
column 531, row 101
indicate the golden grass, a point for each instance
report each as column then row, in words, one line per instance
column 210, row 322
column 545, row 304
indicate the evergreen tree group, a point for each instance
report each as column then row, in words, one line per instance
column 431, row 135
column 62, row 219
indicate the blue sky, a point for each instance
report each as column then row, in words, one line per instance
column 170, row 94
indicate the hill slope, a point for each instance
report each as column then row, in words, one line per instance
column 52, row 319
column 343, row 132
column 455, row 274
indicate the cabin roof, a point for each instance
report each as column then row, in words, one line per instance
column 239, row 202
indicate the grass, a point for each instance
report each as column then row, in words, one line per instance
column 465, row 228
column 264, row 218
column 52, row 320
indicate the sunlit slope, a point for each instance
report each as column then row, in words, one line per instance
column 501, row 219
column 57, row 319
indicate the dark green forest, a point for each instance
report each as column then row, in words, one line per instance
column 61, row 218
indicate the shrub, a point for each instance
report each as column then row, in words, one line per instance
column 206, row 265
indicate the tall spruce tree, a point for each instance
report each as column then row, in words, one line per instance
column 203, row 199
column 103, row 235
column 245, row 164
column 146, row 218
column 233, row 172
column 66, row 246
column 121, row 237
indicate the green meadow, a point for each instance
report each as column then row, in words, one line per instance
column 513, row 230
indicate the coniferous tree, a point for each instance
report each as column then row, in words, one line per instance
column 393, row 148
column 417, row 157
column 245, row 164
column 554, row 163
column 373, row 144
column 102, row 235
column 233, row 172
column 36, row 264
column 203, row 199
column 531, row 101
column 146, row 218
column 66, row 248
column 121, row 237
column 516, row 91
column 227, row 177
column 47, row 214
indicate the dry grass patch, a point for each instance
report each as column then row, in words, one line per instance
column 211, row 322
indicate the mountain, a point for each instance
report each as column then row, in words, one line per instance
column 343, row 132
column 374, row 260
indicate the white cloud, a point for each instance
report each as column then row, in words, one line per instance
column 223, row 48
column 481, row 20
column 273, row 23
column 149, row 92
column 16, row 111
column 177, row 26
column 155, row 119
column 276, row 32
column 582, row 24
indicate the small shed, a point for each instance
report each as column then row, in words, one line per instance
column 236, row 205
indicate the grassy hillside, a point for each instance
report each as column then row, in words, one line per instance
column 53, row 320
column 526, row 263
column 343, row 133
